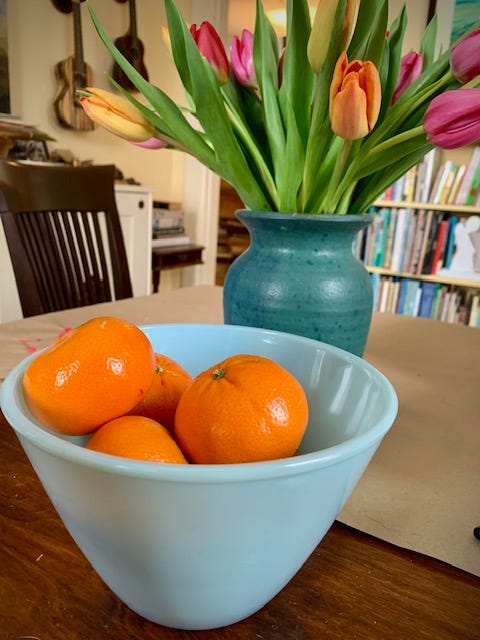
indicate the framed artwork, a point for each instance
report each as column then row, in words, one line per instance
column 465, row 14
column 4, row 79
column 32, row 150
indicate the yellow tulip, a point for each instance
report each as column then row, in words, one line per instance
column 116, row 114
column 323, row 22
column 355, row 98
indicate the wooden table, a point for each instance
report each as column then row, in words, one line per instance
column 353, row 586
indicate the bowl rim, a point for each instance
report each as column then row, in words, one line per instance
column 30, row 430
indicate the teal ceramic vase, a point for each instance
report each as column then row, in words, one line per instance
column 300, row 275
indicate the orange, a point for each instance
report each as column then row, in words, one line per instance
column 95, row 372
column 245, row 409
column 160, row 401
column 136, row 437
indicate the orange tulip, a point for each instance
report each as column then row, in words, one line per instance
column 355, row 98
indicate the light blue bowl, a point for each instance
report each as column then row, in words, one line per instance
column 203, row 546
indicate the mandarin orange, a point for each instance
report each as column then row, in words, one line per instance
column 95, row 372
column 160, row 401
column 245, row 409
column 136, row 437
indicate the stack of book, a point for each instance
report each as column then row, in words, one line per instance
column 168, row 228
column 433, row 300
column 449, row 183
column 410, row 241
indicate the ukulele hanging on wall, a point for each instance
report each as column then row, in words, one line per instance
column 72, row 74
column 132, row 48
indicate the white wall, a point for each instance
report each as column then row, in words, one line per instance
column 40, row 36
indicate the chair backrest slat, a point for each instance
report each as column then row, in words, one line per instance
column 64, row 235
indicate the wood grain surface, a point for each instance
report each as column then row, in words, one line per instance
column 353, row 585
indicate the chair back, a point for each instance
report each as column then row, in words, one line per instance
column 64, row 235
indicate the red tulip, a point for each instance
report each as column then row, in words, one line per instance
column 211, row 47
column 465, row 57
column 355, row 97
column 410, row 68
column 452, row 119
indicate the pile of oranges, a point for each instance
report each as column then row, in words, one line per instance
column 103, row 379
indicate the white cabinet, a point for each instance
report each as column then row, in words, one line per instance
column 135, row 205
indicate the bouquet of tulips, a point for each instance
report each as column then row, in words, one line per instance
column 322, row 125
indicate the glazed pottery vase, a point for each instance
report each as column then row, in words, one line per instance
column 300, row 275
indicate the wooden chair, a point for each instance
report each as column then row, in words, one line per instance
column 64, row 235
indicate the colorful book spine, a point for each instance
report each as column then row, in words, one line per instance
column 468, row 176
column 474, row 187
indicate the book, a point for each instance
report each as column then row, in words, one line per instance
column 474, row 315
column 431, row 243
column 428, row 292
column 439, row 246
column 474, row 187
column 451, row 173
column 467, row 177
column 403, row 217
column 442, row 179
column 402, row 295
column 409, row 243
column 170, row 241
column 456, row 183
column 425, row 236
column 450, row 242
column 417, row 241
column 425, row 176
column 410, row 299
column 408, row 189
column 387, row 257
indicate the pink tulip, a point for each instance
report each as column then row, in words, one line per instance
column 211, row 47
column 410, row 68
column 355, row 97
column 452, row 119
column 465, row 57
column 241, row 58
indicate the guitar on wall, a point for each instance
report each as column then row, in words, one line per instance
column 72, row 74
column 132, row 48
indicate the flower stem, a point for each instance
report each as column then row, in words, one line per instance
column 329, row 201
column 254, row 152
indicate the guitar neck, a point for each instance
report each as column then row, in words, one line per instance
column 79, row 63
column 133, row 21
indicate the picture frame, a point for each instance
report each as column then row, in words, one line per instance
column 465, row 14
column 30, row 150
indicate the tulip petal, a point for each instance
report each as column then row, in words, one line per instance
column 465, row 57
column 349, row 119
column 452, row 119
column 116, row 114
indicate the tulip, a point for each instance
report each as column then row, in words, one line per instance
column 410, row 68
column 211, row 47
column 241, row 58
column 323, row 23
column 452, row 119
column 151, row 143
column 117, row 115
column 465, row 57
column 355, row 97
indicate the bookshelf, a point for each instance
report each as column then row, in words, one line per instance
column 431, row 292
